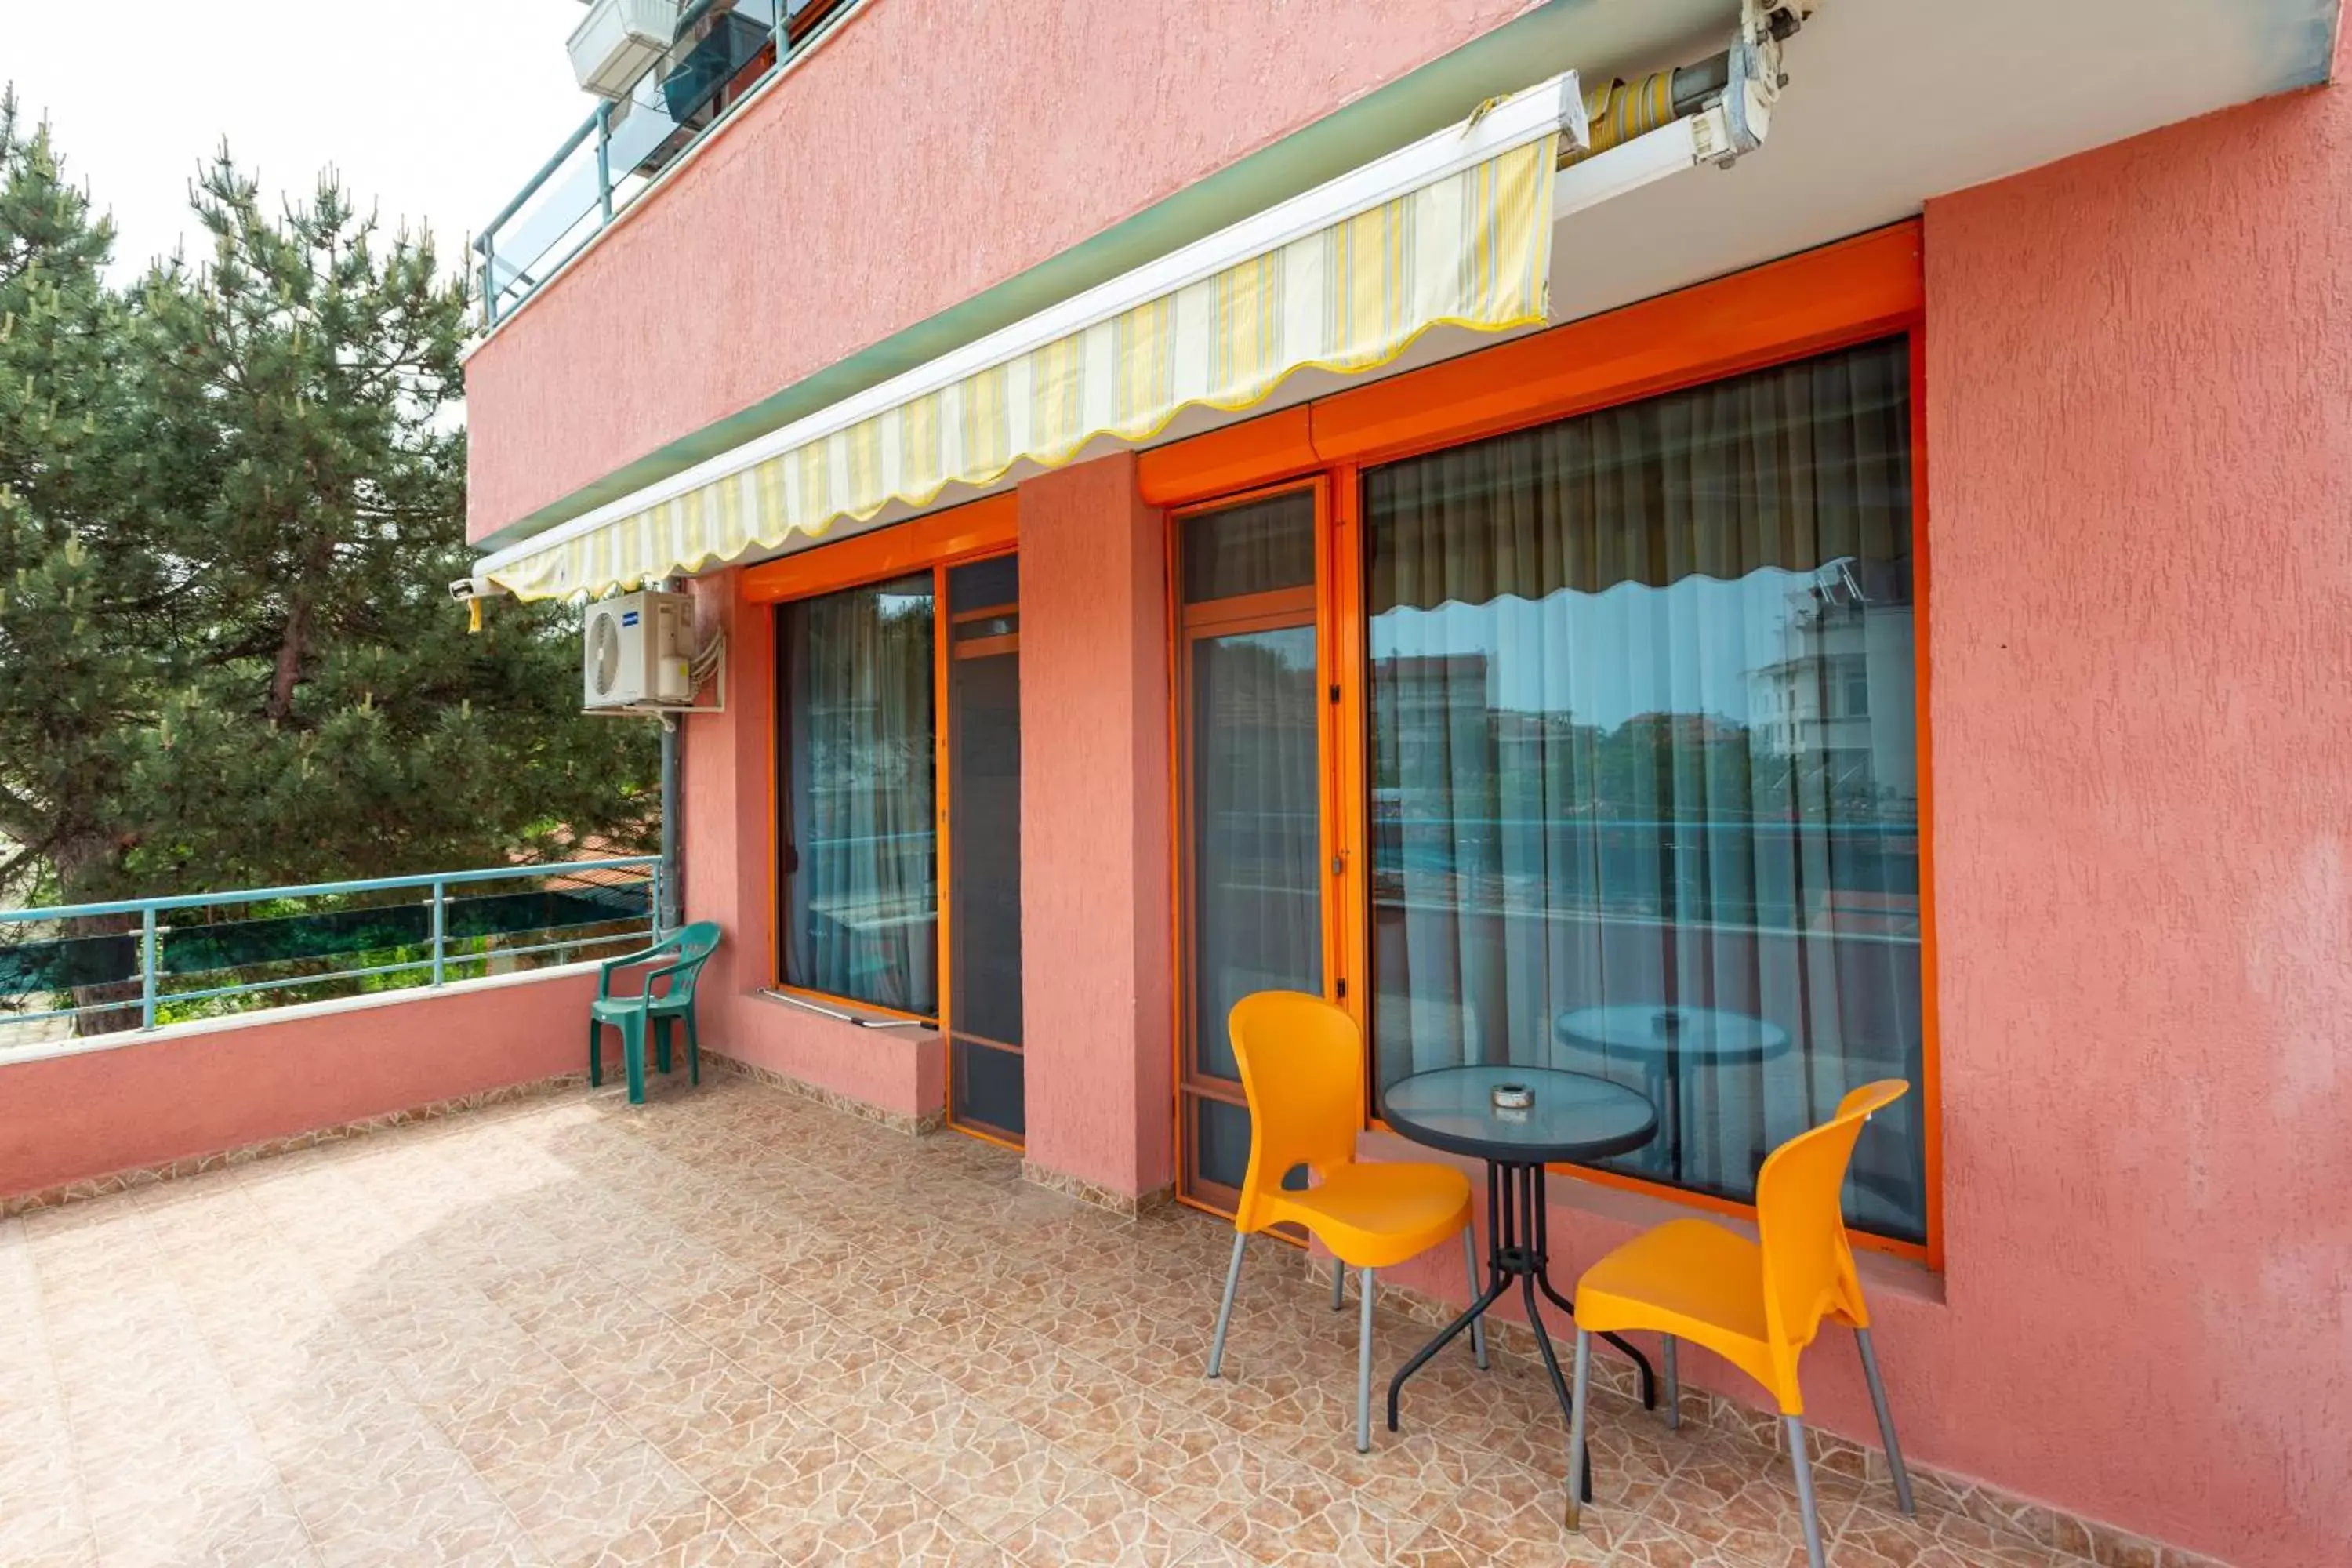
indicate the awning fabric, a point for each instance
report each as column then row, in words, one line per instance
column 1621, row 111
column 1471, row 249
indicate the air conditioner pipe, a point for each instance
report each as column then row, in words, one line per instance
column 673, row 910
column 672, row 914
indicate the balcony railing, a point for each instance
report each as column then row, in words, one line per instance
column 92, row 969
column 722, row 54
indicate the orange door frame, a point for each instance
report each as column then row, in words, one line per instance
column 1189, row 623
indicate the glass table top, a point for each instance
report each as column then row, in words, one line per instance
column 1573, row 1116
column 1699, row 1032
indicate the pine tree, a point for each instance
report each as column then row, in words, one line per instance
column 82, row 582
column 230, row 498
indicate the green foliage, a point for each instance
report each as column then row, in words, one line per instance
column 229, row 498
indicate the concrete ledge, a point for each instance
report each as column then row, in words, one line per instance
column 164, row 1100
column 831, row 1099
column 292, row 1013
column 147, row 1176
column 895, row 1076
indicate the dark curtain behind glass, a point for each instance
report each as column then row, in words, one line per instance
column 861, row 881
column 1641, row 735
column 984, row 801
column 1256, row 547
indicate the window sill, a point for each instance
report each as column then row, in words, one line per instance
column 836, row 1010
column 1881, row 1272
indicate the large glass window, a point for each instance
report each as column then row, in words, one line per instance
column 1643, row 765
column 860, row 844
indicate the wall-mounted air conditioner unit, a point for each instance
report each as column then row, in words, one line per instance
column 638, row 651
column 619, row 41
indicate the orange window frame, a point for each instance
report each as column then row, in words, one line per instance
column 1852, row 293
column 935, row 542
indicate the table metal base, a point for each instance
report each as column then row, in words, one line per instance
column 1519, row 1246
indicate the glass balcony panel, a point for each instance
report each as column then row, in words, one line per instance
column 566, row 213
column 724, row 47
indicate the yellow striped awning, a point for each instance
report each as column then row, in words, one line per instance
column 1472, row 248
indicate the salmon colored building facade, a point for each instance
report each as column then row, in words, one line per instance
column 1892, row 598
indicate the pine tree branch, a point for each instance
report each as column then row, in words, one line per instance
column 18, row 861
column 26, row 822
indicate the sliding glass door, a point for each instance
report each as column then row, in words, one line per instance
column 1249, row 726
column 982, row 1020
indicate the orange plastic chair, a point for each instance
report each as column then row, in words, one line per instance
column 1757, row 1305
column 1302, row 1062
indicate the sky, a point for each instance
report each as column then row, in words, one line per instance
column 1698, row 640
column 433, row 110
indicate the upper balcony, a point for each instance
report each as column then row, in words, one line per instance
column 913, row 176
column 720, row 51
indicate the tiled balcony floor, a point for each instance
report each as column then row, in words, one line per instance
column 734, row 1327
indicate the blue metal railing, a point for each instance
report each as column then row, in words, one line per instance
column 603, row 903
column 618, row 152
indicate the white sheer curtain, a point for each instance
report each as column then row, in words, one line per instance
column 1642, row 738
column 861, row 846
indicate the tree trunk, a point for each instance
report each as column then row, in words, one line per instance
column 81, row 863
column 280, row 706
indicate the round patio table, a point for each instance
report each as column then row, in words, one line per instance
column 1664, row 1036
column 1574, row 1117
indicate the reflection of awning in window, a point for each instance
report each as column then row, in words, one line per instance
column 1454, row 229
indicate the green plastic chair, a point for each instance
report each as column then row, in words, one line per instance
column 694, row 945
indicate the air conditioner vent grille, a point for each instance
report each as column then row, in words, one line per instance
column 604, row 652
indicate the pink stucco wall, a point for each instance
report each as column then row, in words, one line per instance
column 2138, row 369
column 726, row 846
column 205, row 1089
column 2138, row 372
column 832, row 214
column 1096, row 884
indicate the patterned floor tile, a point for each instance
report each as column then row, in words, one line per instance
column 1277, row 1530
column 774, row 1463
column 732, row 1327
column 698, row 1535
column 854, row 1511
column 1110, row 1527
column 1515, row 1515
column 998, row 1475
column 1740, row 1498
column 1875, row 1537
